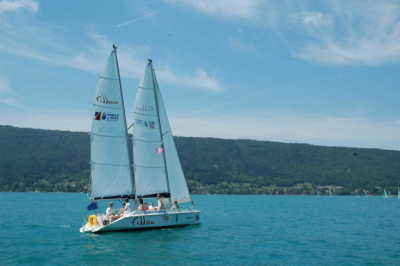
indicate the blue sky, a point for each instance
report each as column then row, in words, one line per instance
column 319, row 72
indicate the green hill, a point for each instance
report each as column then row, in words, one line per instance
column 49, row 160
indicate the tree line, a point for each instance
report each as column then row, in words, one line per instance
column 52, row 160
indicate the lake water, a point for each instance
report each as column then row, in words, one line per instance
column 43, row 229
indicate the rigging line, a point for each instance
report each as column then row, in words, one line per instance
column 155, row 85
column 123, row 113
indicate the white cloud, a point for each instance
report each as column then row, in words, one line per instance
column 228, row 8
column 7, row 95
column 242, row 46
column 332, row 131
column 55, row 120
column 4, row 86
column 40, row 43
column 132, row 65
column 144, row 16
column 311, row 19
column 292, row 128
column 13, row 6
column 339, row 32
column 366, row 33
column 200, row 80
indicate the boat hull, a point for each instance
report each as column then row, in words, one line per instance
column 139, row 220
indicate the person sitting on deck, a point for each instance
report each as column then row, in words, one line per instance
column 142, row 205
column 126, row 208
column 110, row 214
column 160, row 202
column 175, row 205
column 151, row 207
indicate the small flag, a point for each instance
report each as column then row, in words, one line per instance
column 92, row 206
column 160, row 149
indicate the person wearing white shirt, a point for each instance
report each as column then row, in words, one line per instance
column 109, row 212
column 160, row 203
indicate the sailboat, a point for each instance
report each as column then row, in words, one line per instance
column 398, row 192
column 142, row 168
column 385, row 194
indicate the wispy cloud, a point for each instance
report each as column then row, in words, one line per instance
column 241, row 45
column 290, row 128
column 313, row 19
column 15, row 5
column 133, row 64
column 53, row 119
column 41, row 43
column 144, row 16
column 366, row 33
column 7, row 94
column 227, row 8
column 4, row 86
column 338, row 32
column 319, row 130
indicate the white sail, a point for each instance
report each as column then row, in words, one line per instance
column 111, row 174
column 398, row 192
column 149, row 166
column 156, row 162
column 178, row 186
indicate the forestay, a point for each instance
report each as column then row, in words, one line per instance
column 111, row 174
column 156, row 163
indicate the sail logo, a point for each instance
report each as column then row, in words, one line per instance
column 145, row 123
column 145, row 108
column 106, row 116
column 105, row 100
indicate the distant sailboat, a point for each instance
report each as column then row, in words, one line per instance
column 398, row 192
column 155, row 163
column 385, row 194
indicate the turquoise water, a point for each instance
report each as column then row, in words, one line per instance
column 42, row 229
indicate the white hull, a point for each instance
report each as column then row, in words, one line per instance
column 138, row 220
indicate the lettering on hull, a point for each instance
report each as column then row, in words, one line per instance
column 141, row 220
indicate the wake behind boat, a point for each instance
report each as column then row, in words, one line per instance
column 152, row 170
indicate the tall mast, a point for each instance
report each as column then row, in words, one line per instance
column 159, row 122
column 123, row 113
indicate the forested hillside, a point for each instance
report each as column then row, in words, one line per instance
column 48, row 160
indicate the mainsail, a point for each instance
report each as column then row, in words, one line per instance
column 156, row 163
column 111, row 173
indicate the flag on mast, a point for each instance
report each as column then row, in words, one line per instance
column 160, row 149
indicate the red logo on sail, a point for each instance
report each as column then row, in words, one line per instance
column 106, row 116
